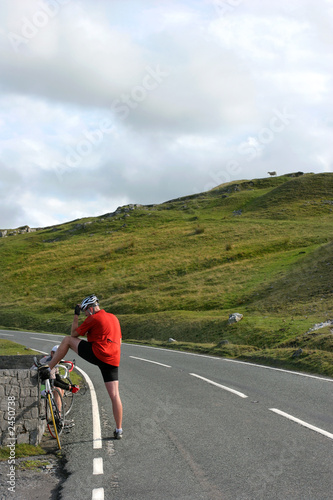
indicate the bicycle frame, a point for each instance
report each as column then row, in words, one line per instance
column 58, row 407
column 51, row 405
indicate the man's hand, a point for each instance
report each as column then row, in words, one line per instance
column 77, row 310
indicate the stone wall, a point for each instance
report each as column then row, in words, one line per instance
column 21, row 406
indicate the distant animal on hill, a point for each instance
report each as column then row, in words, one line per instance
column 271, row 173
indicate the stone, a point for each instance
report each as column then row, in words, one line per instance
column 19, row 390
column 234, row 318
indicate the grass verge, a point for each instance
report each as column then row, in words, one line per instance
column 22, row 451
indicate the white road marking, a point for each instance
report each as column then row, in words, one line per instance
column 97, row 435
column 247, row 363
column 149, row 361
column 98, row 494
column 279, row 370
column 7, row 334
column 98, row 466
column 43, row 340
column 240, row 394
column 301, row 422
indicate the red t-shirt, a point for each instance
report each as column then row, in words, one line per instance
column 103, row 331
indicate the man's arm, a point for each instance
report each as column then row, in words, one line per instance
column 75, row 324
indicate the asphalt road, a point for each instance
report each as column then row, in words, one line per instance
column 198, row 427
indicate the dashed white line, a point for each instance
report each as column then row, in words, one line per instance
column 97, row 435
column 149, row 361
column 7, row 334
column 240, row 394
column 98, row 494
column 246, row 363
column 301, row 422
column 98, row 466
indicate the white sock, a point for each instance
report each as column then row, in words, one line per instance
column 119, row 430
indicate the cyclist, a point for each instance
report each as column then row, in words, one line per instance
column 102, row 348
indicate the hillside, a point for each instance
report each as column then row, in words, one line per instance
column 259, row 247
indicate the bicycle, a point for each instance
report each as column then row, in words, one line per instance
column 65, row 367
column 53, row 409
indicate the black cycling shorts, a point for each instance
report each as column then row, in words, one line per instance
column 109, row 372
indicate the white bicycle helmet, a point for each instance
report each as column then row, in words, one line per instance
column 90, row 301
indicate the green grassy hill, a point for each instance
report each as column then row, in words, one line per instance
column 259, row 247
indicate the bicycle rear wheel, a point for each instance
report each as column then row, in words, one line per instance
column 68, row 398
column 83, row 387
column 54, row 414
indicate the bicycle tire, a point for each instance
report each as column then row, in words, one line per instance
column 68, row 398
column 83, row 387
column 54, row 415
column 49, row 409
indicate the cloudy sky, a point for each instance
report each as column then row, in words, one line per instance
column 105, row 103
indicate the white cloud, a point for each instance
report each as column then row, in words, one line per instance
column 128, row 101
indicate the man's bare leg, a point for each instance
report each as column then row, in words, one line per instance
column 117, row 407
column 66, row 344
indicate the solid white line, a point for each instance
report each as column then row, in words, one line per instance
column 240, row 394
column 46, row 334
column 44, row 340
column 149, row 361
column 247, row 363
column 279, row 370
column 98, row 494
column 301, row 422
column 98, row 466
column 7, row 334
column 97, row 435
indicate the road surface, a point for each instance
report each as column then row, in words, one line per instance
column 198, row 427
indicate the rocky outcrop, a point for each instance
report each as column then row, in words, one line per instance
column 14, row 232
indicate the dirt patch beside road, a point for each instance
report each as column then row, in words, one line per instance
column 36, row 478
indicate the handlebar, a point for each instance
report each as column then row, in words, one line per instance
column 70, row 363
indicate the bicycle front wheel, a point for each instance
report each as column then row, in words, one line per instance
column 54, row 414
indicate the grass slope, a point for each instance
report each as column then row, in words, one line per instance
column 260, row 247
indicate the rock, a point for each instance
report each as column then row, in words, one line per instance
column 3, row 233
column 297, row 353
column 23, row 229
column 223, row 342
column 237, row 212
column 172, row 340
column 317, row 326
column 234, row 318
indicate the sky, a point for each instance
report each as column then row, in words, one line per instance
column 107, row 103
